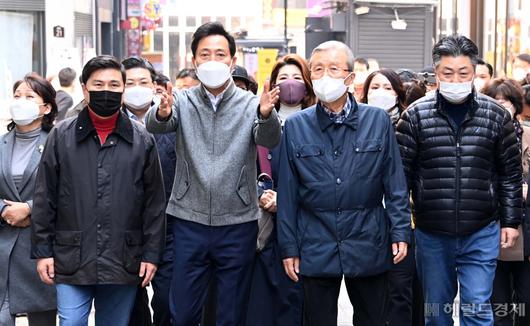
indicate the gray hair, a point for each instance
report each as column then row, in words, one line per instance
column 454, row 46
column 335, row 45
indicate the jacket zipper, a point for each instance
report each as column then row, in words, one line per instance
column 458, row 159
column 213, row 158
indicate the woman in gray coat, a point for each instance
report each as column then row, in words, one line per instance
column 21, row 291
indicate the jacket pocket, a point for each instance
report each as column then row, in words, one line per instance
column 367, row 156
column 67, row 252
column 132, row 251
column 242, row 186
column 310, row 162
column 184, row 181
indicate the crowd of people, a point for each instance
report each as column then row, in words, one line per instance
column 239, row 209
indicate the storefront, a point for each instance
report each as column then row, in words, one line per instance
column 22, row 33
column 501, row 28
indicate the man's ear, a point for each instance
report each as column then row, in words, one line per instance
column 349, row 80
column 86, row 95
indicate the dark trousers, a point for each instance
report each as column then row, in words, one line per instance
column 202, row 252
column 511, row 293
column 405, row 307
column 209, row 311
column 141, row 314
column 275, row 300
column 368, row 296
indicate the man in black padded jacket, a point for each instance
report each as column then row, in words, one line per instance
column 463, row 167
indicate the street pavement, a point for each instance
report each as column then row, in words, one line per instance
column 344, row 318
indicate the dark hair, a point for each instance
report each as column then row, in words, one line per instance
column 484, row 63
column 524, row 57
column 526, row 93
column 298, row 61
column 66, row 77
column 161, row 79
column 414, row 90
column 252, row 85
column 99, row 63
column 45, row 90
column 187, row 72
column 362, row 61
column 394, row 80
column 406, row 75
column 509, row 89
column 134, row 62
column 212, row 28
column 454, row 46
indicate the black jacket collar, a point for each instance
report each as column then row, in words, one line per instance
column 84, row 126
column 351, row 120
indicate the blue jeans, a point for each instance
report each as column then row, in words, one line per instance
column 444, row 261
column 113, row 304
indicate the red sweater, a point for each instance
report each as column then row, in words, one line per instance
column 104, row 127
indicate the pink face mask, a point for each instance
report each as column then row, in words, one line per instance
column 292, row 92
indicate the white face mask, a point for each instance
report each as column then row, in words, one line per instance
column 138, row 97
column 455, row 93
column 329, row 89
column 213, row 74
column 479, row 84
column 382, row 99
column 519, row 74
column 23, row 112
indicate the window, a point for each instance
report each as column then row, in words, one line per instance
column 174, row 57
column 190, row 21
column 158, row 41
column 173, row 21
column 236, row 23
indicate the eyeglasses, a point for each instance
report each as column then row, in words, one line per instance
column 333, row 71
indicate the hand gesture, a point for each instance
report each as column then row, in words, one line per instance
column 268, row 100
column 166, row 103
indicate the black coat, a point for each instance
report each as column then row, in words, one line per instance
column 461, row 178
column 99, row 210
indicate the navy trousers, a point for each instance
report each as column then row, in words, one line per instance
column 141, row 315
column 275, row 299
column 201, row 252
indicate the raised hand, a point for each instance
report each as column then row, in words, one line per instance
column 166, row 103
column 268, row 99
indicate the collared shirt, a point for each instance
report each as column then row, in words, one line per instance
column 215, row 99
column 132, row 116
column 342, row 115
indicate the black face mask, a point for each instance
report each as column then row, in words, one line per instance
column 105, row 103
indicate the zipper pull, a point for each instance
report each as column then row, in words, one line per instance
column 458, row 149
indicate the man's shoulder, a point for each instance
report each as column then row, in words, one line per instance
column 489, row 104
column 140, row 130
column 65, row 125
